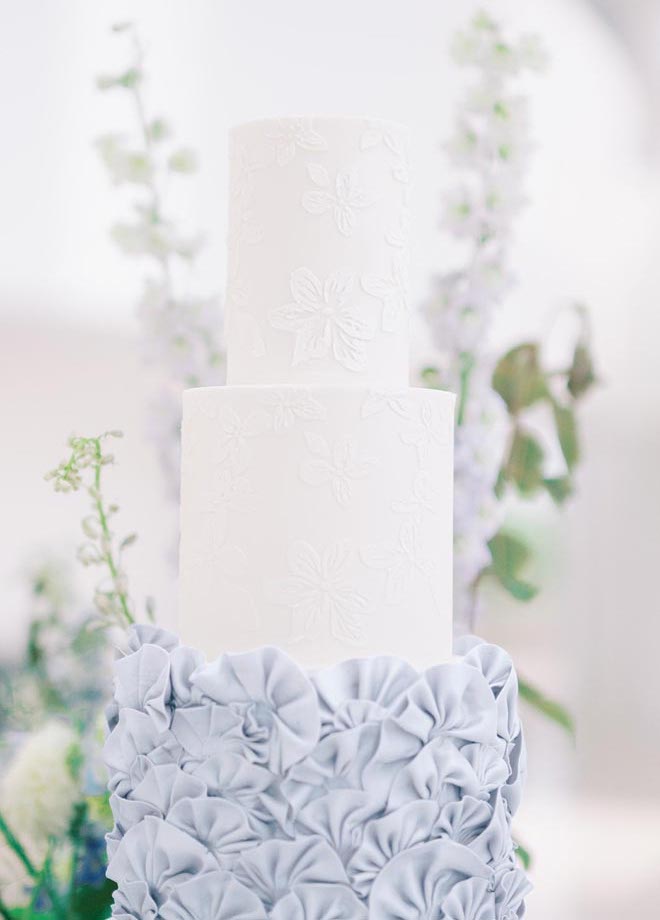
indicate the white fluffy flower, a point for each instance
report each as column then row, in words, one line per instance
column 38, row 790
column 38, row 793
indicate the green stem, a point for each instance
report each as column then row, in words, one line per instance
column 49, row 887
column 156, row 203
column 466, row 367
column 4, row 911
column 42, row 879
column 548, row 707
column 75, row 835
column 105, row 529
column 18, row 848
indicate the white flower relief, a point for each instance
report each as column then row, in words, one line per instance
column 375, row 136
column 392, row 292
column 290, row 404
column 399, row 234
column 338, row 465
column 428, row 430
column 319, row 591
column 378, row 401
column 342, row 199
column 324, row 320
column 234, row 434
column 290, row 135
column 424, row 498
column 231, row 489
column 401, row 561
column 243, row 168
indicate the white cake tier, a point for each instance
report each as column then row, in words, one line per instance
column 317, row 287
column 317, row 519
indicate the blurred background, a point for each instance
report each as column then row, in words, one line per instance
column 70, row 359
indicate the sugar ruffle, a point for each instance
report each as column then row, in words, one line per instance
column 245, row 788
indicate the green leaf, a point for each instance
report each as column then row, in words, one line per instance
column 509, row 556
column 75, row 760
column 28, row 913
column 581, row 375
column 559, row 489
column 543, row 704
column 131, row 78
column 128, row 80
column 183, row 161
column 567, row 434
column 518, row 378
column 524, row 466
column 430, row 377
column 98, row 809
column 159, row 130
column 523, row 855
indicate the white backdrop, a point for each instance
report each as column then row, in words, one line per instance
column 68, row 357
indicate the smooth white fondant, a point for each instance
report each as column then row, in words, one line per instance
column 317, row 270
column 319, row 520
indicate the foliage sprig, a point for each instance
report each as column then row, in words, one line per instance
column 180, row 329
column 83, row 470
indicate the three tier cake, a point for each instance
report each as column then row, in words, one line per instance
column 336, row 761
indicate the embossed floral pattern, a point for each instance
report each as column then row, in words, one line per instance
column 339, row 466
column 246, row 789
column 319, row 593
column 342, row 198
column 290, row 135
column 324, row 320
column 398, row 234
column 376, row 135
column 377, row 401
column 243, row 169
column 234, row 434
column 401, row 561
column 427, row 430
column 230, row 489
column 392, row 292
column 291, row 404
column 423, row 499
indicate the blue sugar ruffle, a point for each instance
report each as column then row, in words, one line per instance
column 245, row 788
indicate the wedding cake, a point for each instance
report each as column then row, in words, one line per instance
column 315, row 751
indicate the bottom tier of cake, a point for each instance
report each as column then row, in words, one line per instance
column 246, row 788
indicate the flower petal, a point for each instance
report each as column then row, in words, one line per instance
column 316, row 201
column 291, row 317
column 306, row 287
column 312, row 342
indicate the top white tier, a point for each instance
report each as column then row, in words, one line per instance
column 318, row 253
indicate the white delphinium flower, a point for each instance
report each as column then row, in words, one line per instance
column 490, row 148
column 177, row 334
column 181, row 332
column 38, row 793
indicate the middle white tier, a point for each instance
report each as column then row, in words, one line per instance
column 317, row 519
